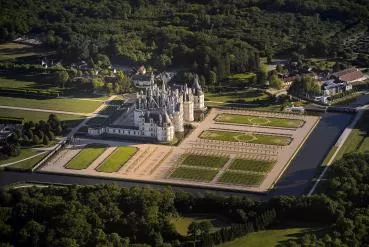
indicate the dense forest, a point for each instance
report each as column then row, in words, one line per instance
column 214, row 38
column 112, row 216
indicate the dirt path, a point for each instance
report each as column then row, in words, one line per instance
column 50, row 111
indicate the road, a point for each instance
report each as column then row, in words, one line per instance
column 50, row 111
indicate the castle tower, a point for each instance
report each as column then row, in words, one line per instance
column 188, row 108
column 198, row 95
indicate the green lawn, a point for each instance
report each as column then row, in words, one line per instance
column 11, row 51
column 35, row 116
column 71, row 105
column 186, row 173
column 27, row 164
column 25, row 153
column 117, row 159
column 267, row 238
column 182, row 223
column 244, row 96
column 259, row 121
column 236, row 178
column 246, row 137
column 204, row 160
column 85, row 157
column 358, row 140
column 242, row 76
column 251, row 165
column 28, row 81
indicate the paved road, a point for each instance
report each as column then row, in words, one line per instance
column 296, row 179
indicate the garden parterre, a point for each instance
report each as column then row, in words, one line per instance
column 248, row 137
column 259, row 120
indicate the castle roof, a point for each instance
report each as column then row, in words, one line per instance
column 197, row 90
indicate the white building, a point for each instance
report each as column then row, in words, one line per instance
column 159, row 112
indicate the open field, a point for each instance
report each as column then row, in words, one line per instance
column 85, row 157
column 117, row 159
column 247, row 137
column 35, row 116
column 246, row 96
column 194, row 174
column 251, row 165
column 358, row 140
column 243, row 76
column 25, row 153
column 70, row 105
column 28, row 81
column 182, row 223
column 230, row 177
column 11, row 51
column 268, row 238
column 204, row 160
column 259, row 121
column 27, row 164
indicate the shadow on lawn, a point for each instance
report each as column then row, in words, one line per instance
column 320, row 231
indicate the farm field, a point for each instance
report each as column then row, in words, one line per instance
column 85, row 157
column 71, row 105
column 35, row 116
column 247, row 137
column 238, row 178
column 358, row 140
column 259, row 121
column 251, row 165
column 117, row 159
column 203, row 175
column 204, row 160
column 246, row 96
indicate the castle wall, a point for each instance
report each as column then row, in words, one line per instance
column 199, row 102
column 178, row 122
column 188, row 108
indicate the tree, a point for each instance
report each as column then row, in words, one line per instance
column 97, row 83
column 261, row 75
column 102, row 61
column 61, row 77
column 46, row 140
column 212, row 78
column 30, row 233
column 275, row 82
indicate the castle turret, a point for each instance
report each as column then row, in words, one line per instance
column 198, row 95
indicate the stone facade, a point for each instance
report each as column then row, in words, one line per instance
column 159, row 112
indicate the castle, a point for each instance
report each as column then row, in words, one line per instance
column 158, row 113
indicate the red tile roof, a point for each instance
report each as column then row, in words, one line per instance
column 349, row 75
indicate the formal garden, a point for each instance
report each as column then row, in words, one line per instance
column 86, row 156
column 247, row 137
column 117, row 159
column 252, row 165
column 260, row 120
column 204, row 160
column 241, row 178
column 195, row 174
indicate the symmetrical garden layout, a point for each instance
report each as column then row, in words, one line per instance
column 229, row 149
